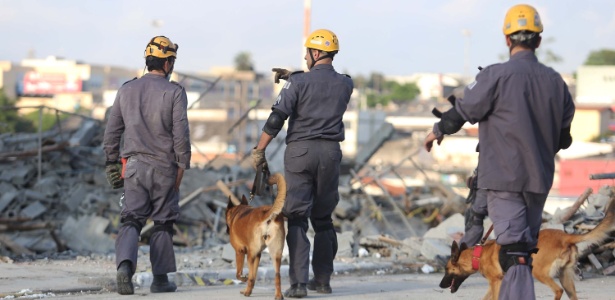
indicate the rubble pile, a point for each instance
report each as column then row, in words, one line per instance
column 54, row 198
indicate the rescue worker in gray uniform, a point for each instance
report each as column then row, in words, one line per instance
column 524, row 111
column 314, row 102
column 151, row 113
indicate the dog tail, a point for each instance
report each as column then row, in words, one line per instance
column 600, row 232
column 278, row 204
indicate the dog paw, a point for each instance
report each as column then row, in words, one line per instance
column 246, row 292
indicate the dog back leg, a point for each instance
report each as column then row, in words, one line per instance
column 276, row 247
column 547, row 280
column 566, row 278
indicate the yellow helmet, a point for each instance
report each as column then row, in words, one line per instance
column 522, row 17
column 161, row 47
column 324, row 40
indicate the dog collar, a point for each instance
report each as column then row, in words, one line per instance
column 478, row 250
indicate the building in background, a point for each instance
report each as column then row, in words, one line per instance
column 433, row 86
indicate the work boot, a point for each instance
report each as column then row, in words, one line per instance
column 297, row 290
column 322, row 288
column 161, row 284
column 124, row 278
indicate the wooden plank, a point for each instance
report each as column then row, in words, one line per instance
column 14, row 247
column 573, row 209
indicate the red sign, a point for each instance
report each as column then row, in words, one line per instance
column 35, row 83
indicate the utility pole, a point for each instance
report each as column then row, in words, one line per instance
column 307, row 13
column 466, row 65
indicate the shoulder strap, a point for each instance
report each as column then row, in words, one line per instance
column 129, row 81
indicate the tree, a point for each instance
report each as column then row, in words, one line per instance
column 243, row 62
column 601, row 57
column 10, row 121
column 393, row 92
column 400, row 93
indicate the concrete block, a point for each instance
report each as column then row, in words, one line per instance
column 84, row 134
column 6, row 187
column 48, row 186
column 7, row 198
column 412, row 246
column 36, row 240
column 228, row 253
column 447, row 228
column 19, row 175
column 33, row 210
column 432, row 247
column 76, row 195
column 345, row 241
column 34, row 195
column 87, row 234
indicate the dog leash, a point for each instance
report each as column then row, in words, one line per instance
column 484, row 239
column 478, row 249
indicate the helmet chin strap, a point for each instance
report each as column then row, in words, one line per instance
column 167, row 75
column 315, row 60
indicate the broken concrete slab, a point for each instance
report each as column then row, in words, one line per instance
column 447, row 228
column 87, row 233
column 48, row 186
column 432, row 247
column 33, row 210
column 76, row 195
column 228, row 253
column 84, row 134
column 7, row 198
column 19, row 175
column 345, row 241
column 6, row 187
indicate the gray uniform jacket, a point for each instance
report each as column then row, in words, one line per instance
column 315, row 102
column 151, row 112
column 521, row 107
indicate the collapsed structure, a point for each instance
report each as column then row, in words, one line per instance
column 54, row 197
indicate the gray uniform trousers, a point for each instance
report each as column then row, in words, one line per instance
column 148, row 193
column 516, row 218
column 475, row 231
column 312, row 177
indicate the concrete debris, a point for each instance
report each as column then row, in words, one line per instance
column 69, row 208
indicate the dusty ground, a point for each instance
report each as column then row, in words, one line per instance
column 66, row 279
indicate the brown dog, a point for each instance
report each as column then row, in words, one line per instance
column 557, row 257
column 252, row 229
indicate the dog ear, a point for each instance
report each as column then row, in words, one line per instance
column 463, row 247
column 230, row 203
column 455, row 252
column 244, row 201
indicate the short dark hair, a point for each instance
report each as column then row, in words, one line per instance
column 157, row 63
column 525, row 39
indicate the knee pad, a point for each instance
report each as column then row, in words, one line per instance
column 323, row 224
column 132, row 222
column 300, row 222
column 164, row 226
column 515, row 254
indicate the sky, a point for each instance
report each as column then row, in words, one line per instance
column 394, row 37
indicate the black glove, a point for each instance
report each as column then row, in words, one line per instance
column 280, row 74
column 114, row 174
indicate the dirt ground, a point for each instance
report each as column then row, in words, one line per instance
column 66, row 279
